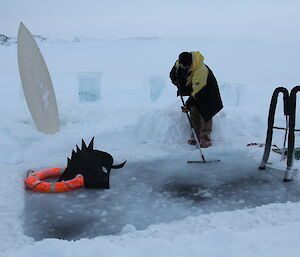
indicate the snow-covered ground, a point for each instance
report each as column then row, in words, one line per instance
column 157, row 205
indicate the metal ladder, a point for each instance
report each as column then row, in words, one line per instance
column 289, row 104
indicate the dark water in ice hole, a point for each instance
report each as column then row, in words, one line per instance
column 154, row 192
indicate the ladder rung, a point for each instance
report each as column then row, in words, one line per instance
column 285, row 128
column 280, row 128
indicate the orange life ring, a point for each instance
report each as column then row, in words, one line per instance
column 34, row 181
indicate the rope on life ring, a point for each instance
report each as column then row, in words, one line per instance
column 34, row 181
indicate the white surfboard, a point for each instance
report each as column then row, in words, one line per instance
column 36, row 83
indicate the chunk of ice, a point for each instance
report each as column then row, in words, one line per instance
column 89, row 86
column 156, row 85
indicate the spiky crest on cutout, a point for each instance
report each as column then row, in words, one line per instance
column 76, row 155
column 83, row 146
column 91, row 145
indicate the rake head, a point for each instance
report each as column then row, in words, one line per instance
column 202, row 162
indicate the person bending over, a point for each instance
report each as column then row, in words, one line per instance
column 195, row 79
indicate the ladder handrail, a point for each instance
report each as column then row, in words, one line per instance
column 271, row 117
column 291, row 136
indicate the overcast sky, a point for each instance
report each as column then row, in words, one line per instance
column 254, row 19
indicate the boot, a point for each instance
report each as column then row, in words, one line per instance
column 205, row 141
column 192, row 141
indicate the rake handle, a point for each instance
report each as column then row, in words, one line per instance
column 193, row 131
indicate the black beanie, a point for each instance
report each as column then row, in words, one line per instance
column 185, row 58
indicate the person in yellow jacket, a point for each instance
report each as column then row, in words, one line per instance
column 195, row 79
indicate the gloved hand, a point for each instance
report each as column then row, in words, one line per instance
column 185, row 109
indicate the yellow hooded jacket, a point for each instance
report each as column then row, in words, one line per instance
column 201, row 85
column 199, row 73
